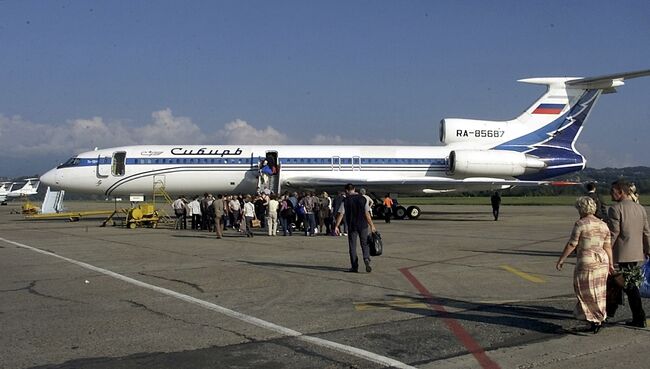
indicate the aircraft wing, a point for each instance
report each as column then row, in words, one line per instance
column 414, row 184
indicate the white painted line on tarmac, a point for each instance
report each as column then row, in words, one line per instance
column 366, row 355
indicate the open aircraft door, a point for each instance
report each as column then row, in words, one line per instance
column 102, row 169
column 118, row 167
column 273, row 161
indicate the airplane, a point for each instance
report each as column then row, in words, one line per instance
column 4, row 191
column 28, row 189
column 476, row 155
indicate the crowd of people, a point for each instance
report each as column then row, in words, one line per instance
column 610, row 245
column 347, row 214
column 306, row 212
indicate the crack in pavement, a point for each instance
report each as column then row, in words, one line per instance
column 31, row 289
column 164, row 315
column 193, row 285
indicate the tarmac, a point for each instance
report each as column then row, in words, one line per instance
column 453, row 289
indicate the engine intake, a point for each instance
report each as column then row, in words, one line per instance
column 493, row 163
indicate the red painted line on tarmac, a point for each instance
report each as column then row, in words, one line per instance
column 454, row 326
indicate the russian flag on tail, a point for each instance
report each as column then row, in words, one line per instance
column 548, row 109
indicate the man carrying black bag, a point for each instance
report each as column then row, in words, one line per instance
column 357, row 214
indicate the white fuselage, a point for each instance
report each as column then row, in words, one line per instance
column 193, row 169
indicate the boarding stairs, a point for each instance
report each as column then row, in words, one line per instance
column 160, row 193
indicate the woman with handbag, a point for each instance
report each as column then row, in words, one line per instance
column 592, row 241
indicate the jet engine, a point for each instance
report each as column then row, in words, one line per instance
column 493, row 163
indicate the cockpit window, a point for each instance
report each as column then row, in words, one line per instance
column 72, row 162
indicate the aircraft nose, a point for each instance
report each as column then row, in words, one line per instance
column 50, row 178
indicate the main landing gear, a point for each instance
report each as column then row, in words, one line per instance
column 398, row 212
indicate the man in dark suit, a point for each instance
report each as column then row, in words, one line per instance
column 495, row 199
column 357, row 213
column 628, row 224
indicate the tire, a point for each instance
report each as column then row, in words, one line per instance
column 400, row 212
column 132, row 225
column 413, row 212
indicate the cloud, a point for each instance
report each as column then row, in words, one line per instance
column 168, row 129
column 240, row 132
column 321, row 139
column 19, row 137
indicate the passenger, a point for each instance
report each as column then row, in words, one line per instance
column 388, row 208
column 211, row 216
column 260, row 209
column 601, row 210
column 310, row 221
column 300, row 213
column 294, row 199
column 356, row 210
column 634, row 194
column 205, row 206
column 179, row 210
column 628, row 223
column 235, row 209
column 495, row 199
column 336, row 205
column 226, row 212
column 187, row 212
column 218, row 209
column 266, row 172
column 272, row 215
column 195, row 207
column 591, row 240
column 249, row 215
column 325, row 214
column 371, row 202
column 316, row 211
column 287, row 215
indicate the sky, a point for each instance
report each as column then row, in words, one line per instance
column 75, row 75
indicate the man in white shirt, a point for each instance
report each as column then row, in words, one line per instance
column 249, row 215
column 235, row 209
column 179, row 210
column 195, row 208
column 272, row 215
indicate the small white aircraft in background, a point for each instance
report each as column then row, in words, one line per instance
column 28, row 189
column 4, row 191
column 476, row 155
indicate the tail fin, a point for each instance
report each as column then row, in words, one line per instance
column 29, row 188
column 556, row 119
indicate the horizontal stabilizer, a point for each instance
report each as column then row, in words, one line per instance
column 606, row 81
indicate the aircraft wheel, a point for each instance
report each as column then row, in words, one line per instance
column 413, row 212
column 400, row 212
column 132, row 225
